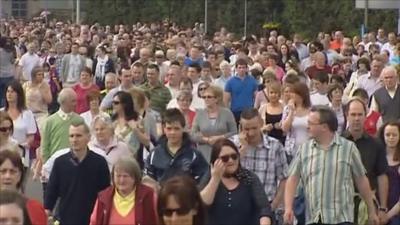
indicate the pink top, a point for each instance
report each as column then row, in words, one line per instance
column 81, row 104
column 116, row 218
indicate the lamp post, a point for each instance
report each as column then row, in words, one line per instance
column 78, row 11
column 245, row 18
column 205, row 16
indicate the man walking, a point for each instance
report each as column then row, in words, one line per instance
column 327, row 166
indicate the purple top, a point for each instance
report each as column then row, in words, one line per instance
column 394, row 185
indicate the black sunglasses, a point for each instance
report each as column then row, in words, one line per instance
column 225, row 158
column 5, row 129
column 178, row 211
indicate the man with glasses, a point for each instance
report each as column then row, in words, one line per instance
column 126, row 84
column 263, row 155
column 328, row 166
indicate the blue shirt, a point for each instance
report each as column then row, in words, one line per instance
column 189, row 61
column 242, row 92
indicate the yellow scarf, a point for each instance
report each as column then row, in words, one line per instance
column 124, row 205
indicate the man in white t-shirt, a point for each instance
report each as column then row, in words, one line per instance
column 29, row 60
column 319, row 96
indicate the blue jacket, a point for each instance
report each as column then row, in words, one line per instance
column 161, row 164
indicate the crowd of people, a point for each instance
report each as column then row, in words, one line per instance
column 162, row 124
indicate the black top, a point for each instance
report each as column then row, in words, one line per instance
column 276, row 133
column 77, row 185
column 233, row 207
column 373, row 156
column 388, row 107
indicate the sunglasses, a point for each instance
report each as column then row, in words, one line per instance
column 225, row 158
column 202, row 89
column 178, row 211
column 5, row 129
column 116, row 102
column 208, row 97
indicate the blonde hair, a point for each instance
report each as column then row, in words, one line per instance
column 217, row 92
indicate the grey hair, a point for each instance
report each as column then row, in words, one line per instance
column 104, row 119
column 130, row 166
column 65, row 94
column 184, row 94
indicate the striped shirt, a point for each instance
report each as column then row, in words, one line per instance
column 327, row 178
column 268, row 161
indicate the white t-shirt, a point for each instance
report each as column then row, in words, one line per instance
column 319, row 99
column 24, row 125
column 27, row 62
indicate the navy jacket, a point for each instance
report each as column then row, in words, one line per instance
column 161, row 164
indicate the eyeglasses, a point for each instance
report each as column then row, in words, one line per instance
column 225, row 158
column 116, row 102
column 184, row 100
column 208, row 97
column 5, row 129
column 178, row 211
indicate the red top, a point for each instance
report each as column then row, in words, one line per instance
column 36, row 212
column 81, row 104
column 116, row 218
column 370, row 123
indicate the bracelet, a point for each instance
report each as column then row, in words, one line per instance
column 383, row 209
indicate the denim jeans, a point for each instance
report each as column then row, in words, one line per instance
column 4, row 81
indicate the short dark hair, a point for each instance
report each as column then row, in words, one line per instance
column 365, row 61
column 326, row 115
column 196, row 66
column 185, row 192
column 360, row 92
column 241, row 62
column 154, row 67
column 249, row 114
column 332, row 88
column 87, row 70
column 13, row 197
column 16, row 161
column 322, row 77
column 172, row 116
column 206, row 64
column 356, row 99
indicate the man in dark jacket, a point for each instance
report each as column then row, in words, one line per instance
column 175, row 153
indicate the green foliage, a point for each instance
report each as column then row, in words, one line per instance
column 307, row 17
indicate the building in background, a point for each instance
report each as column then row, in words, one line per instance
column 26, row 9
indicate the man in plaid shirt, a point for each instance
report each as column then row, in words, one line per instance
column 263, row 155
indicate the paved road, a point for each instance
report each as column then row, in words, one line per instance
column 33, row 189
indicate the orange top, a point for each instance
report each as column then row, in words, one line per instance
column 116, row 218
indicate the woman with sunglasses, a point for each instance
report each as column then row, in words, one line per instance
column 180, row 203
column 127, row 201
column 212, row 123
column 197, row 97
column 233, row 190
column 12, row 177
column 128, row 124
column 24, row 123
column 6, row 130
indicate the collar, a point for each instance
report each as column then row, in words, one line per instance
column 335, row 141
column 346, row 134
column 395, row 88
column 112, row 144
column 119, row 198
column 63, row 115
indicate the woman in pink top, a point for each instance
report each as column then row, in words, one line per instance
column 82, row 88
column 272, row 65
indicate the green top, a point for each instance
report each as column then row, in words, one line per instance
column 55, row 134
column 159, row 96
column 327, row 179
